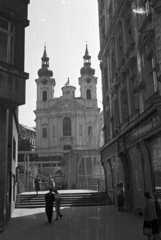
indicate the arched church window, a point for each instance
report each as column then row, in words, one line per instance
column 88, row 94
column 44, row 133
column 44, row 96
column 89, row 130
column 67, row 126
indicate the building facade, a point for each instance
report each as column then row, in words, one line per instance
column 82, row 168
column 130, row 33
column 13, row 21
column 29, row 133
column 27, row 166
column 66, row 123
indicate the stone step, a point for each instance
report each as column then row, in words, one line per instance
column 68, row 200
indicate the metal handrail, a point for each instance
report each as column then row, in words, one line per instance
column 92, row 184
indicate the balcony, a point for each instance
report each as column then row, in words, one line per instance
column 12, row 85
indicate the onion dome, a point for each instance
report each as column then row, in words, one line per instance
column 87, row 70
column 44, row 71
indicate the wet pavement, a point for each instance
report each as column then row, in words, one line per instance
column 78, row 223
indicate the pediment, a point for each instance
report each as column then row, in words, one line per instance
column 66, row 105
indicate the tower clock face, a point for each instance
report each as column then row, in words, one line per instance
column 88, row 80
column 44, row 81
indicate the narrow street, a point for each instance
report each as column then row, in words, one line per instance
column 78, row 223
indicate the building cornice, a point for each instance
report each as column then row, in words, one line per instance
column 6, row 67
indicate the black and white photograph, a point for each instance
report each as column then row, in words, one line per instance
column 80, row 119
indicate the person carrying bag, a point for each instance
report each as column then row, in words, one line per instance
column 147, row 228
column 150, row 225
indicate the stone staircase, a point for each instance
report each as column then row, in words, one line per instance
column 73, row 199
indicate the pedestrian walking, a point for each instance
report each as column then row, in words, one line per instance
column 49, row 200
column 58, row 199
column 120, row 199
column 51, row 183
column 37, row 184
column 158, row 211
column 150, row 225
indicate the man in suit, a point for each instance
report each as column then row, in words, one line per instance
column 49, row 199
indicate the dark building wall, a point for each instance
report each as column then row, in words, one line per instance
column 12, row 75
column 131, row 70
column 13, row 20
column 3, row 164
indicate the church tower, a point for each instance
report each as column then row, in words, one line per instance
column 45, row 94
column 45, row 83
column 88, row 82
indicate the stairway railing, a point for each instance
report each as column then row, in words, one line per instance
column 91, row 184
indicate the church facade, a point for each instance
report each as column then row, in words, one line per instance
column 68, row 124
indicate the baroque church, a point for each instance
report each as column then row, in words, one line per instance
column 69, row 128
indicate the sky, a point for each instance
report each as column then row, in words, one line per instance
column 65, row 27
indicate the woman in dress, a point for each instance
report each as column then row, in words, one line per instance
column 37, row 184
column 158, row 211
column 150, row 217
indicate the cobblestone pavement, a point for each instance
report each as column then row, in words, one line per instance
column 78, row 223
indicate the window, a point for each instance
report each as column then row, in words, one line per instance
column 67, row 147
column 67, row 126
column 14, row 149
column 89, row 166
column 133, row 95
column 80, row 130
column 82, row 167
column 116, row 3
column 147, row 8
column 105, row 74
column 148, row 71
column 116, row 111
column 120, row 50
column 10, row 186
column 124, row 106
column 128, row 30
column 101, row 5
column 53, row 131
column 89, row 130
column 13, row 180
column 155, row 82
column 110, row 12
column 113, row 60
column 85, row 167
column 44, row 96
column 44, row 133
column 88, row 93
column 6, row 41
